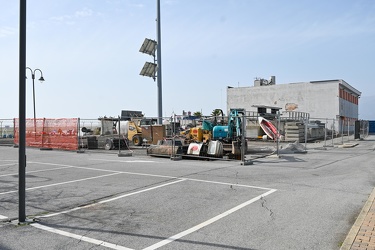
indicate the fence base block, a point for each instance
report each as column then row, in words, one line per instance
column 247, row 162
column 125, row 154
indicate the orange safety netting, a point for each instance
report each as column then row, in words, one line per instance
column 50, row 133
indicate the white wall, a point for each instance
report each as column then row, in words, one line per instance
column 319, row 99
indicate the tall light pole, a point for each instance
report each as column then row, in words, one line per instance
column 22, row 116
column 154, row 69
column 158, row 50
column 40, row 79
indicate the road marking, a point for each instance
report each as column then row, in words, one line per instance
column 61, row 183
column 229, row 184
column 111, row 171
column 80, row 237
column 63, row 166
column 9, row 164
column 141, row 191
column 207, row 222
column 71, row 166
column 112, row 199
column 179, row 179
column 35, row 171
column 3, row 218
column 156, row 175
column 143, row 174
column 140, row 161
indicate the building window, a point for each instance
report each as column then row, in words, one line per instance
column 262, row 110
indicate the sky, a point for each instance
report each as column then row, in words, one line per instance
column 88, row 51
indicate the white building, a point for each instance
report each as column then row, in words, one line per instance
column 334, row 100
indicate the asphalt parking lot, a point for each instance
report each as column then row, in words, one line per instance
column 97, row 200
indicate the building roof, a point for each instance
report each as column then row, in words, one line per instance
column 342, row 82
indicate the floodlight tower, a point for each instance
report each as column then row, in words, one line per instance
column 154, row 69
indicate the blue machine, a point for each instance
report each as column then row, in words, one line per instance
column 219, row 132
column 371, row 127
column 233, row 129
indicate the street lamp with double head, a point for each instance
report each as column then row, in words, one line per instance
column 40, row 79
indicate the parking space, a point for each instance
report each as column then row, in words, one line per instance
column 122, row 203
column 99, row 200
column 181, row 208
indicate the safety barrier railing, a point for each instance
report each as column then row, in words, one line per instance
column 59, row 133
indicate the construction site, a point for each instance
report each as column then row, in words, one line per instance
column 182, row 182
column 264, row 116
column 230, row 137
column 299, row 196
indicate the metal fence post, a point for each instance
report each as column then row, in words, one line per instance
column 342, row 131
column 325, row 133
column 278, row 129
column 78, row 136
column 243, row 138
column 244, row 143
column 348, row 128
column 119, row 138
column 306, row 121
column 333, row 131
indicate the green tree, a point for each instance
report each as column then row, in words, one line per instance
column 216, row 112
column 197, row 114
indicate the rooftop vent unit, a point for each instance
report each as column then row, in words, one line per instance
column 263, row 82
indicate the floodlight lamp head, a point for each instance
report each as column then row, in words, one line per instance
column 148, row 47
column 149, row 69
column 41, row 79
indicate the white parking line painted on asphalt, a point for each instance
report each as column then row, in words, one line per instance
column 8, row 164
column 61, row 183
column 113, row 172
column 2, row 218
column 35, row 171
column 207, row 222
column 112, row 199
column 108, row 170
column 229, row 184
column 178, row 179
column 80, row 237
column 141, row 191
column 71, row 166
column 131, row 161
column 155, row 175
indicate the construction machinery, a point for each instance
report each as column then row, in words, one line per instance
column 108, row 136
column 114, row 132
column 213, row 138
column 168, row 147
column 231, row 135
column 224, row 130
column 203, row 133
column 133, row 122
column 232, row 130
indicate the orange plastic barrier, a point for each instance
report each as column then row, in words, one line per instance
column 50, row 133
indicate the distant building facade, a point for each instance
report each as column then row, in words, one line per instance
column 334, row 100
